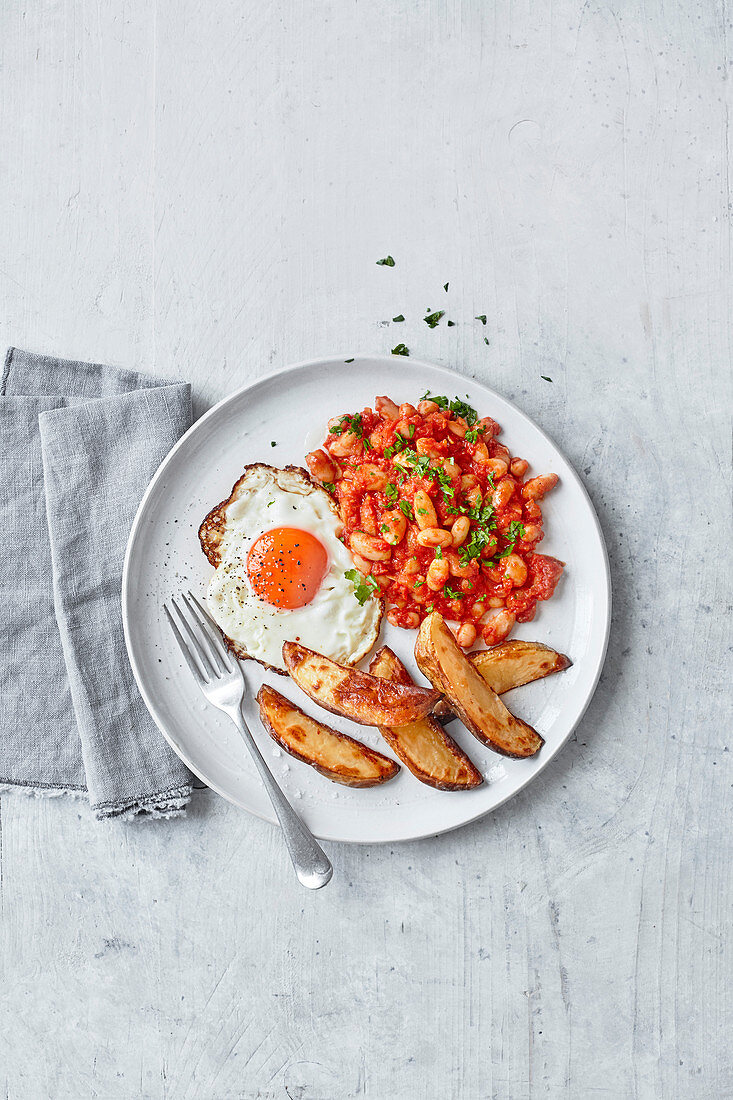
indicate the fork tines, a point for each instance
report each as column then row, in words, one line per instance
column 206, row 656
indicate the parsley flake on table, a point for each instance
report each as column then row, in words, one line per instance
column 445, row 287
column 348, row 360
column 481, row 317
column 433, row 319
column 386, row 262
column 273, row 443
column 363, row 586
column 545, row 378
column 398, row 318
column 401, row 349
column 451, row 324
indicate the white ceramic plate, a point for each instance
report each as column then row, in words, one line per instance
column 163, row 556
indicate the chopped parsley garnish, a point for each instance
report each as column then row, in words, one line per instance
column 406, row 508
column 457, row 406
column 363, row 586
column 419, row 584
column 401, row 349
column 350, row 424
column 482, row 318
column 479, row 540
column 446, row 485
column 410, row 430
column 483, row 515
column 386, row 262
column 438, row 552
column 545, row 378
column 391, row 491
column 399, row 445
column 514, row 532
column 329, row 486
column 353, row 424
column 421, row 466
column 432, row 319
column 399, row 317
column 451, row 593
column 480, row 536
column 384, row 527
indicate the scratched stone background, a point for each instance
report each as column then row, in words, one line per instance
column 201, row 189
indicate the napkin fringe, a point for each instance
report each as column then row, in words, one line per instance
column 39, row 791
column 171, row 803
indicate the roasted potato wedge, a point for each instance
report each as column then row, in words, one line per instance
column 441, row 659
column 335, row 755
column 424, row 747
column 510, row 665
column 356, row 695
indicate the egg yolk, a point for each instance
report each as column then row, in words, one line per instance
column 285, row 567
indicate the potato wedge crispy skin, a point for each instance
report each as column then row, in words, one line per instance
column 335, row 755
column 510, row 665
column 353, row 694
column 479, row 707
column 424, row 747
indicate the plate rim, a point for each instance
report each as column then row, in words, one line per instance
column 333, row 360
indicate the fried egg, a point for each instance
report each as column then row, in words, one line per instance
column 280, row 571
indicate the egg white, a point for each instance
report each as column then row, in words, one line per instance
column 333, row 623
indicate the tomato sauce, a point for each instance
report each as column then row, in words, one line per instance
column 439, row 516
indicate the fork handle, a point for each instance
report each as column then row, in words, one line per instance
column 312, row 865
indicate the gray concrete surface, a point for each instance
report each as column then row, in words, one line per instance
column 202, row 190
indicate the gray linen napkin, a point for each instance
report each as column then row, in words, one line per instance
column 78, row 444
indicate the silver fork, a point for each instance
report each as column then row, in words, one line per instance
column 220, row 678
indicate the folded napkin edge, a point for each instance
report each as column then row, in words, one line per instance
column 6, row 370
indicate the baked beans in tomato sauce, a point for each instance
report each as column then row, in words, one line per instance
column 438, row 515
